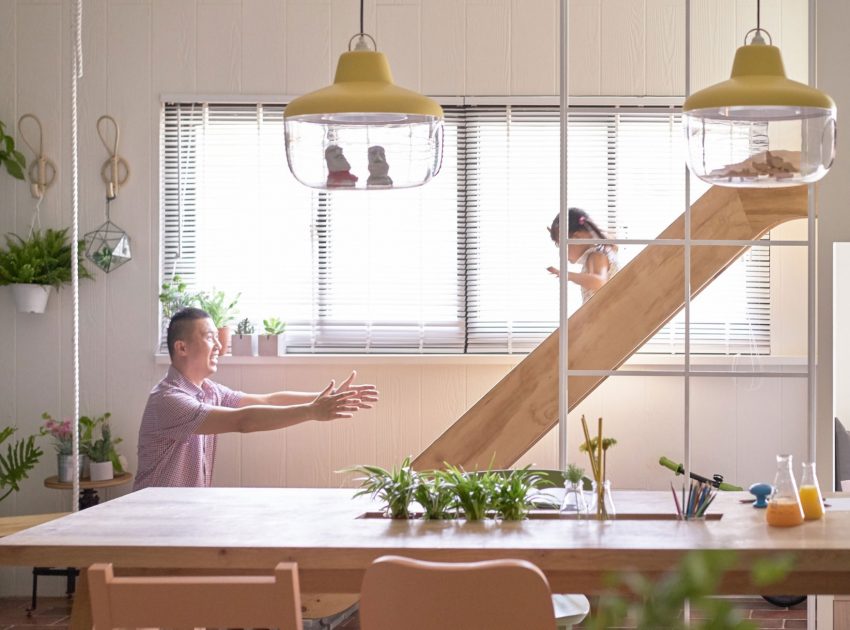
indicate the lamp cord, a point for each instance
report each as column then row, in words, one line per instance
column 361, row 15
column 758, row 14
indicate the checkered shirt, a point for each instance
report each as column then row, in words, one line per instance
column 171, row 453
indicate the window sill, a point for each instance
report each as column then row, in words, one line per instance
column 644, row 362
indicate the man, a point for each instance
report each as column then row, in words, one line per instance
column 186, row 411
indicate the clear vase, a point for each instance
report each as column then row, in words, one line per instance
column 783, row 507
column 574, row 502
column 602, row 508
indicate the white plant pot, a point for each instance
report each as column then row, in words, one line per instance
column 100, row 471
column 269, row 345
column 242, row 345
column 31, row 298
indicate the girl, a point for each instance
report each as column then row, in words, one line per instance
column 598, row 262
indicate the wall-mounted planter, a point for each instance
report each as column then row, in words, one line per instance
column 31, row 298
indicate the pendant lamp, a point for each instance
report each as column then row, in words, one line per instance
column 363, row 132
column 759, row 128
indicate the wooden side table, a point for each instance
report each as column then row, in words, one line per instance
column 89, row 488
column 88, row 498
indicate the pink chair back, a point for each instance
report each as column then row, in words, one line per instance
column 402, row 593
column 190, row 602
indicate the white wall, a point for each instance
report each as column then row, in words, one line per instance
column 137, row 50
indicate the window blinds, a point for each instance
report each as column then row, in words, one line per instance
column 456, row 266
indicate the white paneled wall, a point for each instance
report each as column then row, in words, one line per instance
column 137, row 50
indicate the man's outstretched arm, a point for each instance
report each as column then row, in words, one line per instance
column 327, row 405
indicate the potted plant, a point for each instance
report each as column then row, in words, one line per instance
column 35, row 264
column 222, row 310
column 242, row 343
column 394, row 487
column 175, row 296
column 101, row 452
column 61, row 432
column 21, row 457
column 269, row 345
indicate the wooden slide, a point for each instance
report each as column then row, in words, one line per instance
column 625, row 313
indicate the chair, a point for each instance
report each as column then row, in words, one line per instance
column 189, row 602
column 491, row 595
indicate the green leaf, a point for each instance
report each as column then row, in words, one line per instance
column 19, row 158
column 19, row 459
column 14, row 169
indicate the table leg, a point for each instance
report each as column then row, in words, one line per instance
column 81, row 618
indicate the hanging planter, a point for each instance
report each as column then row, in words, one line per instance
column 31, row 298
column 42, row 260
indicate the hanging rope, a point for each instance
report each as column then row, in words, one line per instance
column 76, row 74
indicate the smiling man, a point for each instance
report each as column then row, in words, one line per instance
column 186, row 411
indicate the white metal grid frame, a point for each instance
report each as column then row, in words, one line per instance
column 687, row 371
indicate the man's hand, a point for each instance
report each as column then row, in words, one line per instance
column 331, row 404
column 362, row 395
column 554, row 271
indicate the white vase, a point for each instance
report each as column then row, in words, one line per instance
column 31, row 298
column 100, row 471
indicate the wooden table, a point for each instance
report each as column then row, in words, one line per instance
column 231, row 530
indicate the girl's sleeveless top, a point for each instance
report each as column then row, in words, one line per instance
column 613, row 266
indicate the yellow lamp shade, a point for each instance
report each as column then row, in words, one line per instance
column 363, row 132
column 759, row 128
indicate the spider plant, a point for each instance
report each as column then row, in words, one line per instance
column 515, row 492
column 473, row 491
column 435, row 495
column 394, row 487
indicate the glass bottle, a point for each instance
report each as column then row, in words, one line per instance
column 574, row 502
column 783, row 507
column 810, row 496
column 603, row 503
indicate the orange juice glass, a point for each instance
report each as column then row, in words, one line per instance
column 810, row 496
column 784, row 513
column 783, row 507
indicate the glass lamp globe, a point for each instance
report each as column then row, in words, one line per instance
column 759, row 128
column 363, row 132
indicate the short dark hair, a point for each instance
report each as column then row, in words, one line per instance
column 181, row 324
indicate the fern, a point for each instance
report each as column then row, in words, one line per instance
column 20, row 457
column 43, row 258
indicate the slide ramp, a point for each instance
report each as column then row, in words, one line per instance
column 623, row 315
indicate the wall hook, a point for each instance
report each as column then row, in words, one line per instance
column 115, row 171
column 42, row 170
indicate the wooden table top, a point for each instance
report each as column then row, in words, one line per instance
column 255, row 528
column 14, row 524
column 87, row 484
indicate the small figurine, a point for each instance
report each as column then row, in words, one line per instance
column 339, row 170
column 378, row 169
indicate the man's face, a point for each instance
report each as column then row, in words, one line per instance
column 202, row 347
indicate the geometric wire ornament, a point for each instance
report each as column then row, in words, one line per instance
column 108, row 246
